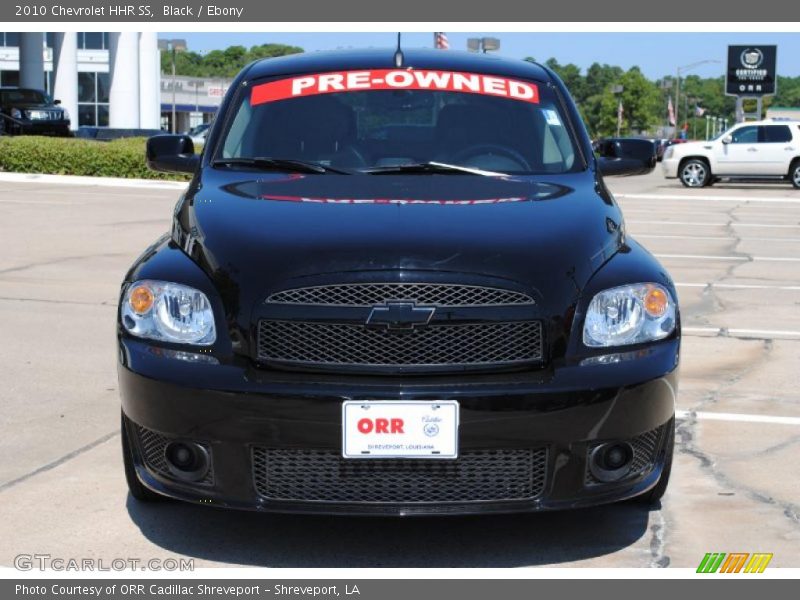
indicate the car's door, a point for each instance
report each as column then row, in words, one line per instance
column 741, row 154
column 776, row 149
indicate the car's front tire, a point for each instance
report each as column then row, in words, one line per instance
column 135, row 487
column 794, row 174
column 695, row 173
column 654, row 495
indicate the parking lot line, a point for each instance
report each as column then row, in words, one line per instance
column 708, row 198
column 737, row 417
column 757, row 334
column 713, row 224
column 739, row 258
column 713, row 237
column 740, row 286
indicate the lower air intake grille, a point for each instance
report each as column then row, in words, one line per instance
column 645, row 453
column 324, row 476
column 152, row 447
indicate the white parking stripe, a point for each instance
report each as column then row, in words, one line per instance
column 738, row 258
column 737, row 417
column 659, row 236
column 706, row 198
column 756, row 334
column 741, row 286
column 712, row 224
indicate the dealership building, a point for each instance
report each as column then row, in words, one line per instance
column 108, row 79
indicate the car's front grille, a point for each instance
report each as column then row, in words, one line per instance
column 152, row 446
column 324, row 476
column 430, row 294
column 645, row 452
column 44, row 115
column 435, row 347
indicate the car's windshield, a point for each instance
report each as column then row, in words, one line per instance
column 25, row 97
column 371, row 120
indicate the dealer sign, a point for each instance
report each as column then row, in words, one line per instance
column 751, row 71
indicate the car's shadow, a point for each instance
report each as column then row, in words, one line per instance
column 259, row 539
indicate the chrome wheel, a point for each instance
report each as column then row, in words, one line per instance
column 796, row 175
column 694, row 174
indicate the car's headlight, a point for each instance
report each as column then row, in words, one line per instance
column 629, row 314
column 64, row 114
column 169, row 312
column 669, row 151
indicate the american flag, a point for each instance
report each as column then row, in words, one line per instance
column 440, row 41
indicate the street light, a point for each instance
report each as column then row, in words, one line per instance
column 484, row 44
column 173, row 46
column 683, row 69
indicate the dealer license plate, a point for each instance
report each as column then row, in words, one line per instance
column 406, row 429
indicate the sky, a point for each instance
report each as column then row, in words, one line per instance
column 656, row 54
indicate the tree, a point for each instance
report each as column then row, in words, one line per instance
column 222, row 63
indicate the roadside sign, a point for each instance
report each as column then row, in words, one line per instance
column 751, row 71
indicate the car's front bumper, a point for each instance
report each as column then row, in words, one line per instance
column 669, row 167
column 237, row 410
column 43, row 127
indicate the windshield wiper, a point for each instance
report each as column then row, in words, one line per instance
column 430, row 167
column 278, row 164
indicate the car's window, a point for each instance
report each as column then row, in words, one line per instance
column 776, row 134
column 337, row 119
column 25, row 97
column 745, row 135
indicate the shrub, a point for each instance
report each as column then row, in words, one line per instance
column 72, row 156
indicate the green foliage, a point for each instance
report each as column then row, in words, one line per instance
column 645, row 102
column 71, row 156
column 222, row 63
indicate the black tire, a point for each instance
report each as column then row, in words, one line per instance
column 654, row 496
column 135, row 487
column 794, row 174
column 694, row 173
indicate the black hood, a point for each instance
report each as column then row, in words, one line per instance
column 256, row 233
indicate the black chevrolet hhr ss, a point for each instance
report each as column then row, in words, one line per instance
column 397, row 284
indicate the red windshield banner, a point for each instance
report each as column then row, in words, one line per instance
column 394, row 79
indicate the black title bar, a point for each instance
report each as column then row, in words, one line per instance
column 688, row 11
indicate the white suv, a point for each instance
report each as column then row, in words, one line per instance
column 752, row 150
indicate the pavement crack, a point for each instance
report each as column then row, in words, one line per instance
column 658, row 557
column 59, row 461
column 56, row 261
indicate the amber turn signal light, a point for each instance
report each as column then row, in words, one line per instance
column 141, row 299
column 655, row 302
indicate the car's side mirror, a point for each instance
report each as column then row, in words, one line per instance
column 627, row 157
column 172, row 154
column 56, row 102
column 727, row 139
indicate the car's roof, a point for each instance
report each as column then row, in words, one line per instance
column 383, row 58
column 772, row 121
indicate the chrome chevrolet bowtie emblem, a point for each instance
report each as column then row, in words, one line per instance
column 400, row 316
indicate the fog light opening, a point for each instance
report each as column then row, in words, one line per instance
column 188, row 461
column 611, row 462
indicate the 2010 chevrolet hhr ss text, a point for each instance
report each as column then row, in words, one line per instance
column 397, row 284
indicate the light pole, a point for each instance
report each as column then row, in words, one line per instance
column 173, row 46
column 683, row 69
column 617, row 91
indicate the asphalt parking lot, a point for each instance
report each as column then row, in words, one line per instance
column 733, row 249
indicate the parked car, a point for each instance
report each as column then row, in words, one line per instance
column 397, row 290
column 25, row 111
column 628, row 149
column 199, row 134
column 756, row 150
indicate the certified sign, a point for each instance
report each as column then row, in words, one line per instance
column 404, row 429
column 751, row 70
